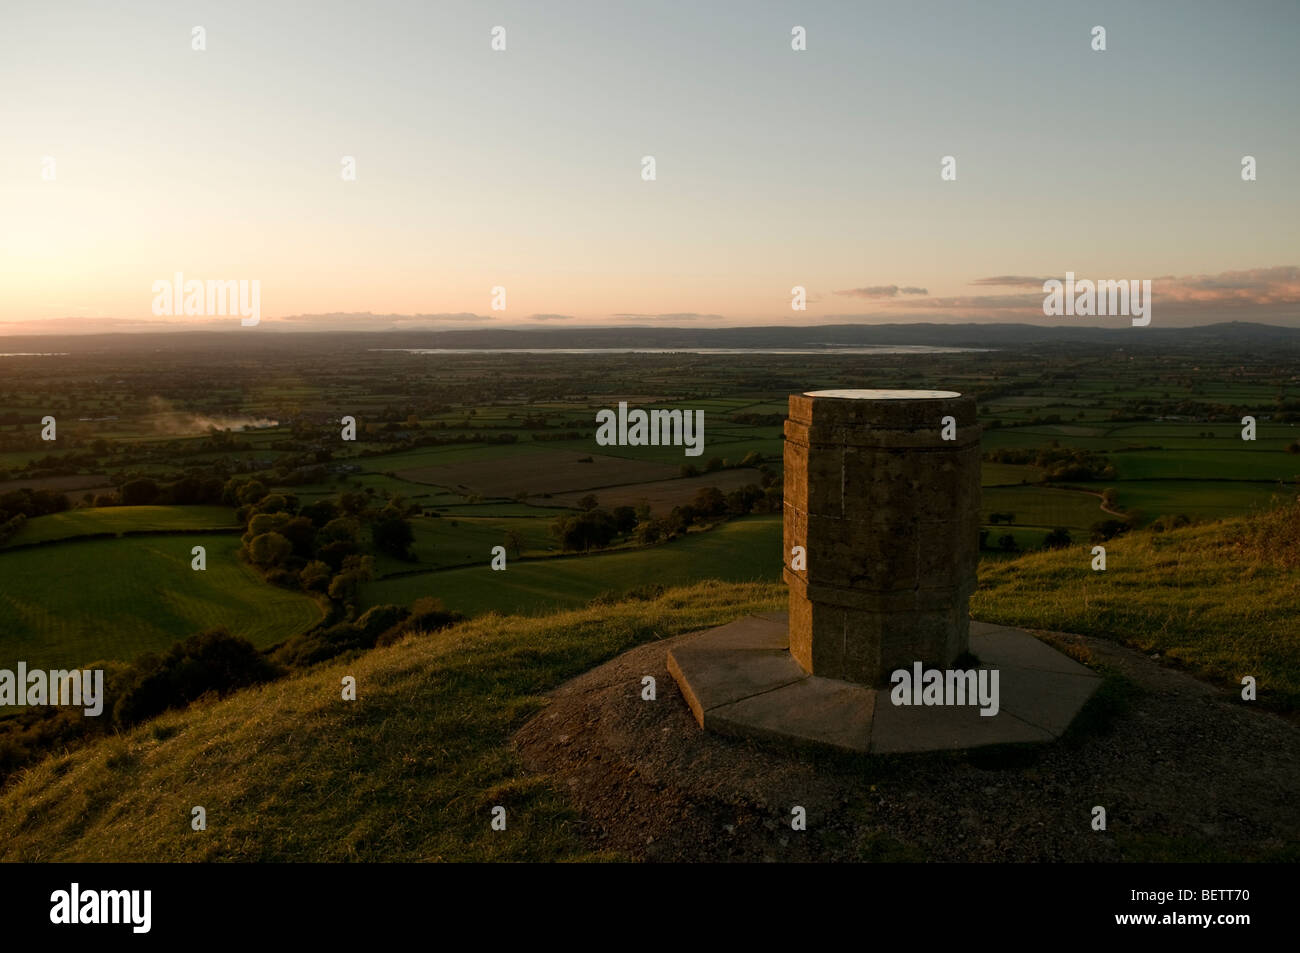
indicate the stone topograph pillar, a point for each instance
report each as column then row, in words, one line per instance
column 887, row 511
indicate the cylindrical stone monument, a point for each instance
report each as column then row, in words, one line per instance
column 882, row 491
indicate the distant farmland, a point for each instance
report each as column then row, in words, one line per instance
column 663, row 495
column 740, row 551
column 558, row 471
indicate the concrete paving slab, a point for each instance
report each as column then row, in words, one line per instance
column 1015, row 648
column 751, row 632
column 739, row 679
column 719, row 677
column 813, row 711
column 1048, row 700
column 899, row 729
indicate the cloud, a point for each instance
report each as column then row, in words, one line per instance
column 874, row 291
column 550, row 317
column 882, row 291
column 1256, row 287
column 1269, row 295
column 1010, row 281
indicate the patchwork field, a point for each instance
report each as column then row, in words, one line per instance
column 663, row 495
column 459, row 540
column 556, row 472
column 81, row 601
column 743, row 550
column 121, row 519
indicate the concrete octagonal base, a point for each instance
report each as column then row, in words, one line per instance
column 740, row 679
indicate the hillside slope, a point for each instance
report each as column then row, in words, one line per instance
column 1220, row 599
column 411, row 770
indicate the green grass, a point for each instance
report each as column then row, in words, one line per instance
column 1208, row 597
column 1008, row 474
column 408, row 772
column 439, row 543
column 1204, row 499
column 81, row 601
column 1040, row 506
column 412, row 769
column 122, row 519
column 1242, row 463
column 741, row 550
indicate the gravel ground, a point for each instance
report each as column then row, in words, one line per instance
column 1184, row 770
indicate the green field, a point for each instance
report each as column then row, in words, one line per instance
column 79, row 602
column 1197, row 499
column 1042, row 506
column 122, row 519
column 463, row 541
column 1209, row 464
column 739, row 551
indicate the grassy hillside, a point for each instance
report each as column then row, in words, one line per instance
column 1220, row 598
column 411, row 770
column 83, row 600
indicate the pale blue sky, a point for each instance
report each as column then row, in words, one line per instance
column 522, row 168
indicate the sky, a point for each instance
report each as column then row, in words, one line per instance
column 522, row 168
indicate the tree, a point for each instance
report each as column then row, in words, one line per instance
column 392, row 534
column 514, row 542
column 269, row 550
column 1007, row 543
column 1058, row 538
column 356, row 570
column 139, row 492
column 1103, row 530
column 315, row 576
column 624, row 519
column 589, row 530
column 709, row 501
column 588, row 503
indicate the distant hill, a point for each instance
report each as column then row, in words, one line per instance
column 1236, row 335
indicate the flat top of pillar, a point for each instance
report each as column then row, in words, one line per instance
column 883, row 394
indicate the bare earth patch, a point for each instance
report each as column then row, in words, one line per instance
column 1182, row 769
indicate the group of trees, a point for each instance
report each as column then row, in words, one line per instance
column 714, row 464
column 187, row 491
column 18, row 506
column 318, row 547
column 1058, row 463
column 596, row 528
